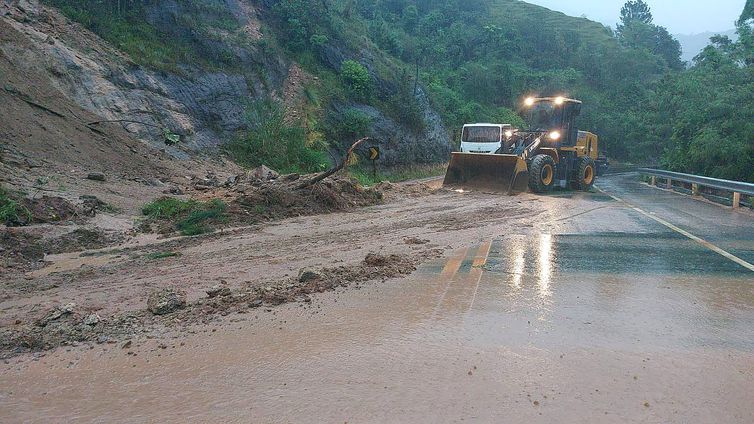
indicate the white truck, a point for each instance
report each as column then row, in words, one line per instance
column 484, row 138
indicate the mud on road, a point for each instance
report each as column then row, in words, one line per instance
column 100, row 295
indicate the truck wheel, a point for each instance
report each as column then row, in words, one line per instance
column 541, row 173
column 586, row 174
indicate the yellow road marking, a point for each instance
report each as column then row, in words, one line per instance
column 482, row 254
column 448, row 274
column 683, row 232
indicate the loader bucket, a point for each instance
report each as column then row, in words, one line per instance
column 487, row 172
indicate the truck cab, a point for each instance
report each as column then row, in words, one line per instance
column 484, row 138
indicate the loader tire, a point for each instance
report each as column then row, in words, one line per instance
column 586, row 174
column 541, row 174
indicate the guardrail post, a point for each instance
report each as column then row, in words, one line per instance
column 736, row 200
column 653, row 181
column 694, row 189
column 669, row 184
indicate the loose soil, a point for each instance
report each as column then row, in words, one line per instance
column 103, row 291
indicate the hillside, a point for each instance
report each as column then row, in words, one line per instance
column 197, row 68
column 291, row 83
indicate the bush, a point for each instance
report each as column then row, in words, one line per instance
column 351, row 125
column 190, row 216
column 12, row 213
column 356, row 78
column 271, row 142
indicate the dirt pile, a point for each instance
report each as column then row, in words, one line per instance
column 283, row 198
column 24, row 249
column 392, row 191
column 69, row 324
column 246, row 199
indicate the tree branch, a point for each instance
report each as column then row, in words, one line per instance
column 334, row 170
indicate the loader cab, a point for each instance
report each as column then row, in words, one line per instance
column 556, row 118
column 484, row 138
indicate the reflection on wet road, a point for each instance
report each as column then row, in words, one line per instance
column 603, row 317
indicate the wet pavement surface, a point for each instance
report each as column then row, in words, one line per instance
column 605, row 316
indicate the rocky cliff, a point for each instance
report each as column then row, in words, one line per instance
column 204, row 104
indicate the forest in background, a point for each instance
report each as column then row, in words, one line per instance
column 476, row 60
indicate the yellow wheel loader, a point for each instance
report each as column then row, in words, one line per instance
column 551, row 153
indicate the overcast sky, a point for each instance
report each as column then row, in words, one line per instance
column 679, row 16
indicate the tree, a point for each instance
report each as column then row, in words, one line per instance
column 635, row 10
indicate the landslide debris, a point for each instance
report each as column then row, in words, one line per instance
column 68, row 324
column 248, row 199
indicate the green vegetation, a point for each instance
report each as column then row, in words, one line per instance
column 271, row 141
column 190, row 217
column 11, row 212
column 122, row 24
column 475, row 60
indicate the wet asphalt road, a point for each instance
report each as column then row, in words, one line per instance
column 605, row 315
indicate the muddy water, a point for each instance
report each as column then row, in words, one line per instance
column 520, row 328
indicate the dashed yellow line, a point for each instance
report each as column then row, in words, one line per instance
column 685, row 233
column 481, row 259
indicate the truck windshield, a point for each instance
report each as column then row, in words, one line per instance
column 481, row 134
column 544, row 116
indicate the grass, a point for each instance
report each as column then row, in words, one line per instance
column 11, row 212
column 406, row 173
column 190, row 217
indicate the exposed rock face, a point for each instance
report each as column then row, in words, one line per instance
column 204, row 107
column 399, row 145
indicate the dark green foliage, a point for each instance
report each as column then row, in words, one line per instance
column 123, row 24
column 11, row 212
column 357, row 80
column 168, row 207
column 198, row 220
column 272, row 142
column 352, row 125
column 635, row 11
column 477, row 59
column 190, row 217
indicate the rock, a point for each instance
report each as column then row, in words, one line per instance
column 306, row 274
column 126, row 344
column 155, row 182
column 96, row 176
column 173, row 190
column 264, row 173
column 165, row 301
column 92, row 319
column 218, row 291
column 56, row 313
column 91, row 204
column 291, row 177
column 255, row 303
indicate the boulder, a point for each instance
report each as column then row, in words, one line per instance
column 165, row 301
column 306, row 275
column 218, row 291
column 264, row 173
column 96, row 176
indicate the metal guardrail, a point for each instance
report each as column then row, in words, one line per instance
column 736, row 187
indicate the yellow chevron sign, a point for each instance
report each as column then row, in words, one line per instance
column 374, row 153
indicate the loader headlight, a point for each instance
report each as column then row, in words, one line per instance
column 555, row 135
column 529, row 101
column 508, row 134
